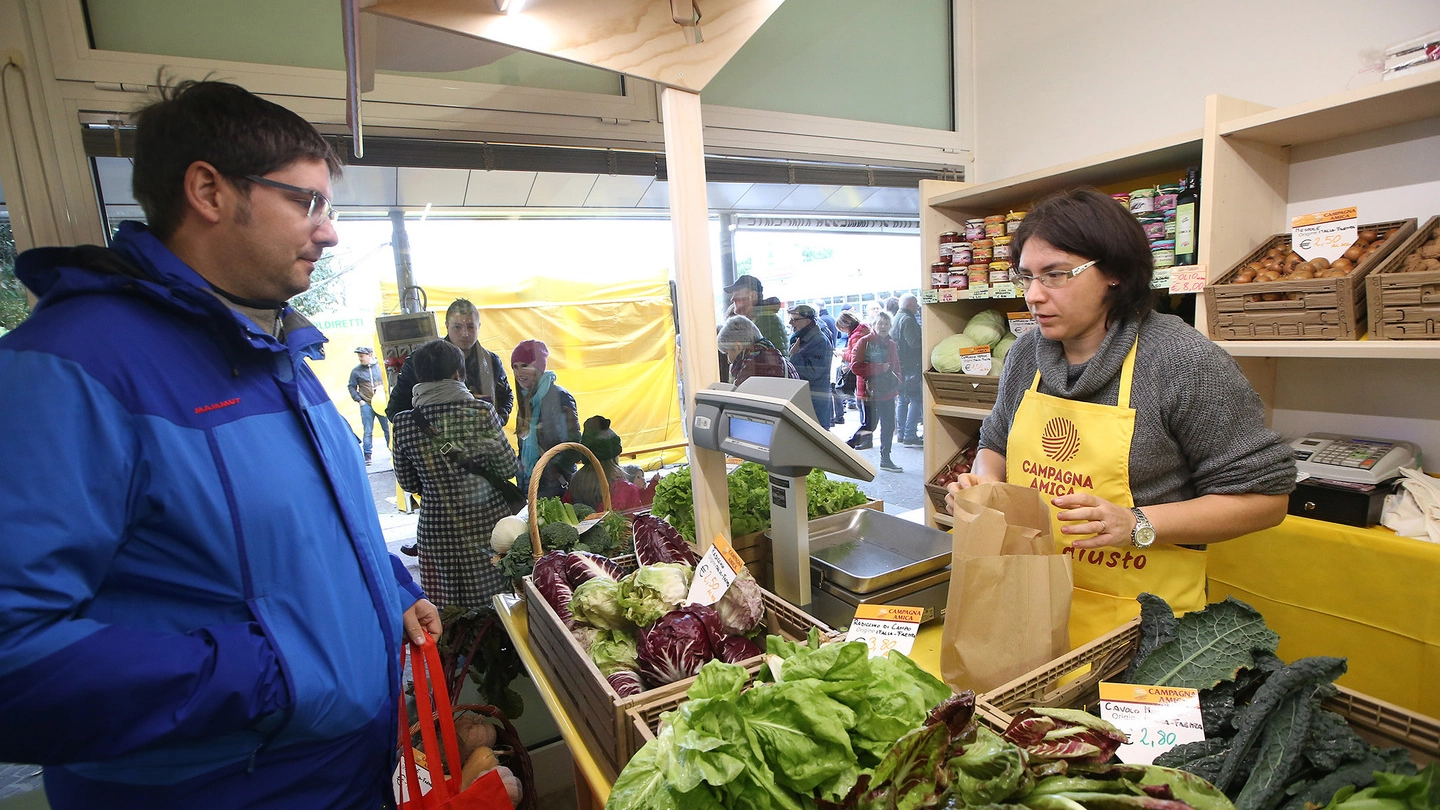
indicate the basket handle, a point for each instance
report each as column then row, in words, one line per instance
column 534, row 494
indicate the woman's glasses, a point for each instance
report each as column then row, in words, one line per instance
column 1052, row 279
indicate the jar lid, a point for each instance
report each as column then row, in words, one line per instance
column 1163, row 244
column 1003, row 240
column 1016, row 215
column 1000, row 265
column 1171, row 188
column 1143, row 192
column 976, row 220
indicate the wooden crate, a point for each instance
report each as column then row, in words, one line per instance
column 1405, row 304
column 1318, row 308
column 597, row 710
column 971, row 390
column 937, row 492
column 1073, row 681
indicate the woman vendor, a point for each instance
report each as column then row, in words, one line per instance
column 1145, row 436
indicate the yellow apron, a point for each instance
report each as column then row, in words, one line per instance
column 1059, row 446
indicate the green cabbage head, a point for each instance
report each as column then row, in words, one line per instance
column 946, row 354
column 987, row 327
column 597, row 603
column 654, row 590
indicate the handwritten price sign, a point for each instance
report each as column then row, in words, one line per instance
column 1020, row 322
column 1326, row 233
column 716, row 571
column 975, row 359
column 886, row 627
column 1155, row 718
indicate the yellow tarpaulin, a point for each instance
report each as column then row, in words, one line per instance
column 612, row 346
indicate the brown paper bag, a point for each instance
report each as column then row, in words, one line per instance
column 1008, row 609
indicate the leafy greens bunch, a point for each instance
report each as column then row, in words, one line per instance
column 1269, row 743
column 749, row 487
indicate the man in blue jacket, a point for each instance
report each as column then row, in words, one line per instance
column 810, row 354
column 196, row 607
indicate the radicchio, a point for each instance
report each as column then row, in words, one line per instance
column 678, row 644
column 625, row 682
column 734, row 649
column 657, row 541
column 549, row 579
column 1069, row 734
column 582, row 566
column 741, row 609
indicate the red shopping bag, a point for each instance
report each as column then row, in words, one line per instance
column 487, row 793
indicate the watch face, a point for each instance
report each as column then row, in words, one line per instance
column 1144, row 536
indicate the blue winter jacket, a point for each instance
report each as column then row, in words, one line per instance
column 197, row 609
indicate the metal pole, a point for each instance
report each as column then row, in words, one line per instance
column 404, row 276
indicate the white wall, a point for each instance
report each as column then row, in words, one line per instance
column 1059, row 80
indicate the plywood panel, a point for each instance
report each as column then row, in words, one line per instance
column 634, row 37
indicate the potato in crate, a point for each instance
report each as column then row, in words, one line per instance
column 1273, row 294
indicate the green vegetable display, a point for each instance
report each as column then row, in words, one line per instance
column 1392, row 792
column 749, row 490
column 596, row 602
column 1269, row 742
column 946, row 354
column 651, row 591
column 987, row 327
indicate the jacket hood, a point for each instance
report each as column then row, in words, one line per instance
column 139, row 264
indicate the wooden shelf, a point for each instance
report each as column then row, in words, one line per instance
column 1365, row 109
column 960, row 411
column 1137, row 161
column 1340, row 349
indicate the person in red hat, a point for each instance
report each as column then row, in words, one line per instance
column 545, row 415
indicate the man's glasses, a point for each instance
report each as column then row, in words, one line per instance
column 319, row 208
column 1052, row 279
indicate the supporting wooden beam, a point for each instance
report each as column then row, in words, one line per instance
column 694, row 290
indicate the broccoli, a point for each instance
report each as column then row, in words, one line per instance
column 610, row 537
column 583, row 511
column 558, row 536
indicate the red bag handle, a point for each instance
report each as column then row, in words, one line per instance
column 442, row 789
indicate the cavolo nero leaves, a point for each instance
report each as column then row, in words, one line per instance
column 1209, row 646
column 1157, row 627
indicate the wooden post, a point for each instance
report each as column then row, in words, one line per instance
column 694, row 286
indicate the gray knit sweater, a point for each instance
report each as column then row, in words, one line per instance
column 1199, row 426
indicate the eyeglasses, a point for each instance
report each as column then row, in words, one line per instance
column 318, row 209
column 1052, row 279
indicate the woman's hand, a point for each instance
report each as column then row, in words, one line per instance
column 1111, row 524
column 964, row 481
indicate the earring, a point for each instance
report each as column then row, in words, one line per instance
column 1114, row 284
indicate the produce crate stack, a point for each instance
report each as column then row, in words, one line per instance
column 958, row 465
column 1253, row 301
column 1403, row 294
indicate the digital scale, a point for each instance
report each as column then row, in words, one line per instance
column 830, row 565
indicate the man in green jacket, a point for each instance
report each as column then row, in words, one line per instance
column 747, row 297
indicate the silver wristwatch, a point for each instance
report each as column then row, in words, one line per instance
column 1144, row 533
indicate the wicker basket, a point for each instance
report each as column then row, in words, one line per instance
column 508, row 748
column 534, row 493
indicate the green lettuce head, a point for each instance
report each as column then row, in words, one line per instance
column 654, row 590
column 613, row 651
column 596, row 602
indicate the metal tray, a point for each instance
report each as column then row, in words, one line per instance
column 864, row 550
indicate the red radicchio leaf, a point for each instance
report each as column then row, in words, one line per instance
column 678, row 644
column 734, row 649
column 650, row 545
column 1069, row 734
column 582, row 566
column 625, row 682
column 550, row 581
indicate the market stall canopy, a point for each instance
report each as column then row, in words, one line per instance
column 639, row 38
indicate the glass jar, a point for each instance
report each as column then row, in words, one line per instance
column 995, row 225
column 974, row 229
column 981, row 251
column 1001, row 251
column 1012, row 222
column 961, row 254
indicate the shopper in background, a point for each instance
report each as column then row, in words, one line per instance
column 452, row 451
column 484, row 371
column 877, row 365
column 624, row 482
column 366, row 379
column 196, row 605
column 544, row 417
column 826, row 323
column 749, row 353
column 855, row 330
column 908, row 343
column 747, row 297
column 892, row 306
column 810, row 355
column 1146, row 435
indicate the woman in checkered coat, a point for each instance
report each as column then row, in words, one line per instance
column 445, row 449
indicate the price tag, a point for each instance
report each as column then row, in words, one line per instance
column 1020, row 322
column 885, row 627
column 975, row 360
column 1004, row 289
column 422, row 776
column 1160, row 279
column 717, row 569
column 1155, row 718
column 948, row 294
column 929, row 296
column 1326, row 233
column 1187, row 279
column 979, row 290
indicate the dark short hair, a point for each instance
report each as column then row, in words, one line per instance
column 461, row 307
column 438, row 360
column 223, row 124
column 1088, row 223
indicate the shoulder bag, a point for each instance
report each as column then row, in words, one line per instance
column 515, row 498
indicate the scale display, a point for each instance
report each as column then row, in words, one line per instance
column 751, row 431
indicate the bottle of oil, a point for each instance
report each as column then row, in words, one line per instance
column 1187, row 219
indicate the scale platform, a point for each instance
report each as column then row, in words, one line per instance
column 864, row 556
